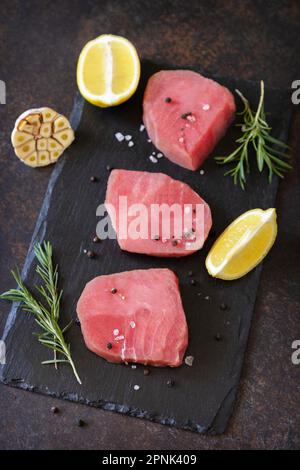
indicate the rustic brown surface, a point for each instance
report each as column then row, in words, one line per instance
column 40, row 42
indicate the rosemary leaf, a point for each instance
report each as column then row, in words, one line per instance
column 46, row 314
column 256, row 134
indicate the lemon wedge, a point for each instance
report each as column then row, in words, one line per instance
column 243, row 244
column 108, row 70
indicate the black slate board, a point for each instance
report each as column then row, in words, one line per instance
column 203, row 395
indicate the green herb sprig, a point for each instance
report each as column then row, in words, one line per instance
column 270, row 152
column 47, row 313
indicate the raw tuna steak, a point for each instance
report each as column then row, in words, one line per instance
column 134, row 316
column 186, row 115
column 171, row 219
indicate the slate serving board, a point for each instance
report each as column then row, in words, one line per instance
column 203, row 395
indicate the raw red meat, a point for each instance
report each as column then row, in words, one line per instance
column 135, row 316
column 186, row 115
column 188, row 226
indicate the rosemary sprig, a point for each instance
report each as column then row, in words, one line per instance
column 46, row 314
column 270, row 152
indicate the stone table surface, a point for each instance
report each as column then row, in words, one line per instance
column 252, row 39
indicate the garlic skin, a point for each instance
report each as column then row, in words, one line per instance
column 40, row 136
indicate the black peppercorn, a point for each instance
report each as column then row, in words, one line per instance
column 185, row 115
column 168, row 100
column 54, row 409
column 109, row 346
column 80, row 423
column 114, row 290
column 90, row 254
column 218, row 337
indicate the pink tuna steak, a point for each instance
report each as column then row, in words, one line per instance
column 186, row 115
column 134, row 316
column 154, row 214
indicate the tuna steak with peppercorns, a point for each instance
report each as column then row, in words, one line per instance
column 134, row 316
column 154, row 214
column 186, row 115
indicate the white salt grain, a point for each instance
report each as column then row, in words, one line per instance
column 136, row 387
column 153, row 159
column 119, row 338
column 132, row 324
column 142, row 127
column 133, row 366
column 116, row 332
column 130, row 143
column 149, row 140
column 181, row 139
column 206, row 107
column 202, row 172
column 128, row 137
column 159, row 155
column 119, row 136
column 189, row 360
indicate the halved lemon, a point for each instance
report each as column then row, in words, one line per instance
column 243, row 244
column 108, row 70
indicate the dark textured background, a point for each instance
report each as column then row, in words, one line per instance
column 40, row 42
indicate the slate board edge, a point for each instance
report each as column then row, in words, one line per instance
column 228, row 403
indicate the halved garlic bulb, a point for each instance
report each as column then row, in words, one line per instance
column 40, row 136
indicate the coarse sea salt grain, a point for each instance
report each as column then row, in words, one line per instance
column 132, row 324
column 119, row 136
column 119, row 338
column 128, row 137
column 206, row 107
column 181, row 139
column 187, row 210
column 202, row 172
column 142, row 127
column 149, row 140
column 136, row 387
column 133, row 366
column 159, row 155
column 116, row 332
column 130, row 143
column 189, row 360
column 153, row 159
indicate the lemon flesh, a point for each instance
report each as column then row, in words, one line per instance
column 243, row 244
column 108, row 70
